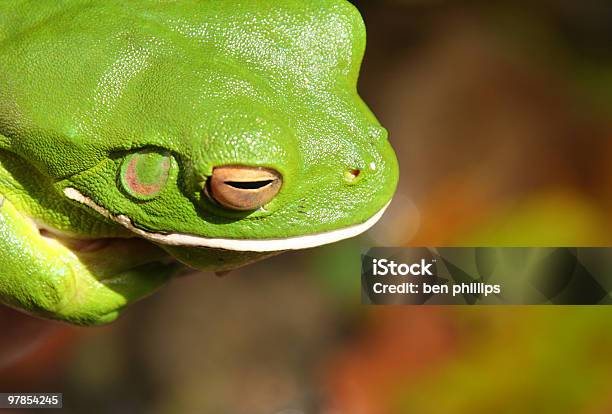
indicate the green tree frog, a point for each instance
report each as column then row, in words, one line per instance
column 140, row 136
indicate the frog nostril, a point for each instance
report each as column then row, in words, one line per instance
column 243, row 188
column 352, row 174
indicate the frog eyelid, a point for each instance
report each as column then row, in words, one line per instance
column 243, row 188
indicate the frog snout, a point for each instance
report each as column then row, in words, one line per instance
column 243, row 188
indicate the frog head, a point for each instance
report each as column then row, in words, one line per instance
column 206, row 127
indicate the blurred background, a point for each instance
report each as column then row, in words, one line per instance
column 501, row 116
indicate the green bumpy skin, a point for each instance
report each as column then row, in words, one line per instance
column 114, row 114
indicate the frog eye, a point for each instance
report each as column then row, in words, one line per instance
column 144, row 174
column 243, row 188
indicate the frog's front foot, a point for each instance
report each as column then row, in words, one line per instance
column 79, row 281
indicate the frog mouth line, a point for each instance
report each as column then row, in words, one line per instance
column 243, row 245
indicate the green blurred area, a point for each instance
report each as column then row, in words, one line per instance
column 501, row 115
column 532, row 360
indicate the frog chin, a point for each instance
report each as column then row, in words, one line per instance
column 242, row 245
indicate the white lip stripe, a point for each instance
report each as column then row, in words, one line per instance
column 243, row 245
